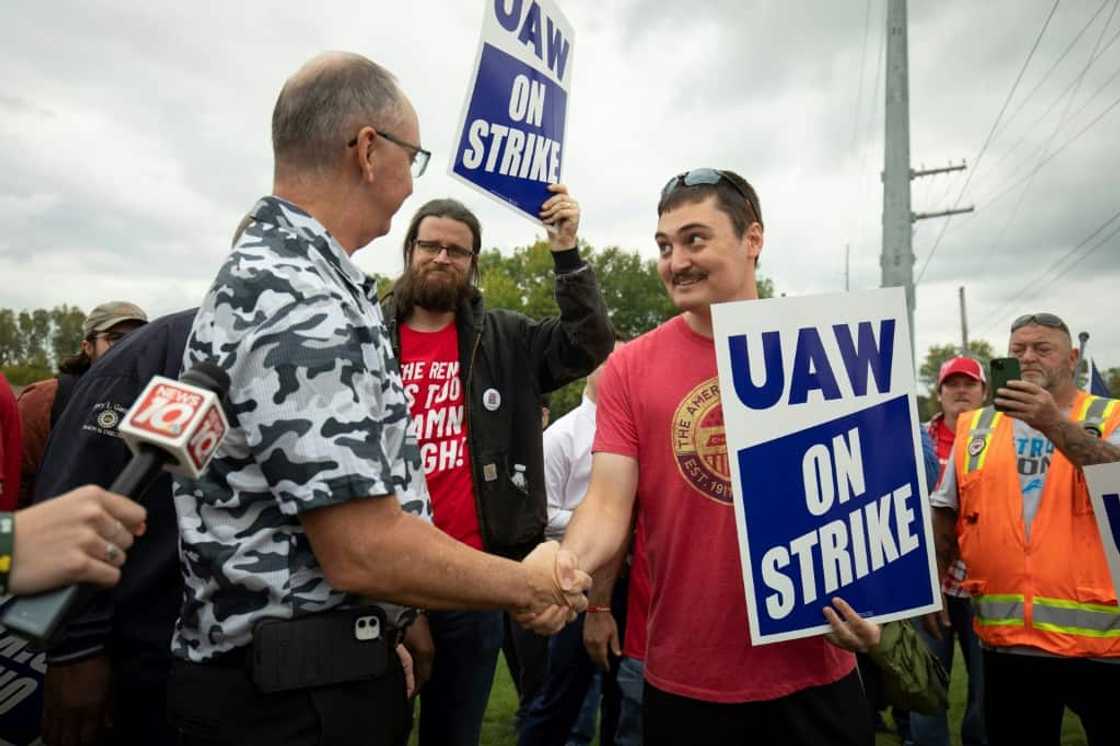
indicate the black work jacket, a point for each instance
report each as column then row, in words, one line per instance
column 519, row 358
column 133, row 621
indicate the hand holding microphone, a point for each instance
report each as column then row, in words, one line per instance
column 78, row 537
column 173, row 425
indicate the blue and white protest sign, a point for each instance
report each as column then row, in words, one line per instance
column 826, row 460
column 510, row 141
column 22, row 670
column 1104, row 492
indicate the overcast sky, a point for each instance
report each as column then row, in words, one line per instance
column 133, row 137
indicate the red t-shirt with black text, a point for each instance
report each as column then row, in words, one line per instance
column 659, row 404
column 430, row 372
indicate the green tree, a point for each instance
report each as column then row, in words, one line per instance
column 11, row 340
column 66, row 335
column 35, row 328
column 632, row 289
column 522, row 281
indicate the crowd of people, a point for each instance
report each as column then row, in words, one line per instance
column 387, row 512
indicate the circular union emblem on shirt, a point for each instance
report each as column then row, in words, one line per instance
column 699, row 442
column 108, row 419
column 975, row 446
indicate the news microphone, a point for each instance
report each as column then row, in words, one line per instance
column 174, row 426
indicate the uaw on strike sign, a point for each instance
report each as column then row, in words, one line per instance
column 826, row 460
column 510, row 143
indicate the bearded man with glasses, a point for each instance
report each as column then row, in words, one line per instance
column 1014, row 506
column 474, row 379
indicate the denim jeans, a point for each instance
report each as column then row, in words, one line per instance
column 631, row 681
column 933, row 730
column 583, row 731
column 555, row 709
column 454, row 700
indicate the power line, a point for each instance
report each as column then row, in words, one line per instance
column 988, row 140
column 859, row 88
column 1058, row 99
column 1045, row 274
column 1047, row 159
column 1088, row 252
column 1054, row 66
column 998, row 241
column 871, row 118
column 1017, row 174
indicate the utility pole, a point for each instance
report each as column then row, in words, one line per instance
column 964, row 325
column 847, row 267
column 897, row 259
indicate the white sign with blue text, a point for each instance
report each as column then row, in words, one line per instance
column 510, row 141
column 826, row 460
column 1104, row 493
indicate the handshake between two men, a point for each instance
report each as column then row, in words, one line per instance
column 559, row 589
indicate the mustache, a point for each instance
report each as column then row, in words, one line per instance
column 688, row 274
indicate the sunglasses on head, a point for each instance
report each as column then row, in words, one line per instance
column 1041, row 319
column 710, row 176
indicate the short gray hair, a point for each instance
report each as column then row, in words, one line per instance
column 323, row 105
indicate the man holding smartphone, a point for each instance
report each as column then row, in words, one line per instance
column 1014, row 506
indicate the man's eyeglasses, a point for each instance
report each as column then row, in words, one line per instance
column 708, row 176
column 433, row 249
column 420, row 157
column 1041, row 319
column 110, row 337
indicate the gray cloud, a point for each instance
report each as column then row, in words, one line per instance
column 133, row 138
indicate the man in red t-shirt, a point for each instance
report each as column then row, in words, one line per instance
column 660, row 449
column 474, row 378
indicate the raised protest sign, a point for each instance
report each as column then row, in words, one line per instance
column 1104, row 493
column 826, row 460
column 510, row 142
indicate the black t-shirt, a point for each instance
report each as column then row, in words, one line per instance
column 134, row 620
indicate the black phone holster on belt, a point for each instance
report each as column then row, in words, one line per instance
column 334, row 647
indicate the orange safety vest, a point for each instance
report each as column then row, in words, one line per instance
column 1052, row 591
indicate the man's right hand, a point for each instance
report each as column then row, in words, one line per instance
column 936, row 621
column 556, row 589
column 76, row 698
column 600, row 637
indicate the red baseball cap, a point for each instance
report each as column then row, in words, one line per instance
column 963, row 365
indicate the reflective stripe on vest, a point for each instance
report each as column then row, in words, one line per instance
column 1094, row 412
column 1003, row 610
column 980, row 430
column 1072, row 618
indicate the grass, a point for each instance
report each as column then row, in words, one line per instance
column 497, row 726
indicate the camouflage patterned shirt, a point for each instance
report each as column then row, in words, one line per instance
column 318, row 417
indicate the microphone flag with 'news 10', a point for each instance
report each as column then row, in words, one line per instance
column 174, row 426
column 183, row 420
